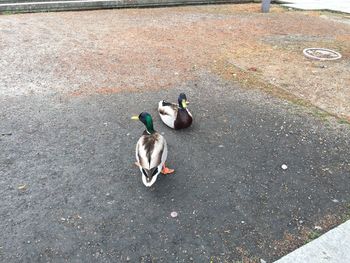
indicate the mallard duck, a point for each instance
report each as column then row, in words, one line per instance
column 151, row 152
column 175, row 116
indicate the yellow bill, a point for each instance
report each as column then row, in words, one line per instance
column 135, row 117
column 184, row 103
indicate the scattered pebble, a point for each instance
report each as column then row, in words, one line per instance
column 284, row 166
column 318, row 228
column 262, row 261
column 63, row 219
column 335, row 201
column 22, row 187
column 173, row 214
column 242, row 222
column 221, row 146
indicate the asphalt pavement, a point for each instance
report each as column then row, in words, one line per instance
column 70, row 192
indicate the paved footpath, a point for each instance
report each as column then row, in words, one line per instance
column 335, row 5
column 332, row 247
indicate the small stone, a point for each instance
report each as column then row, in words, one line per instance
column 63, row 219
column 284, row 166
column 173, row 214
column 242, row 222
column 318, row 228
column 262, row 261
column 335, row 201
column 22, row 187
column 127, row 258
column 221, row 146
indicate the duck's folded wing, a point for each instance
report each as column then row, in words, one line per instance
column 167, row 108
column 158, row 150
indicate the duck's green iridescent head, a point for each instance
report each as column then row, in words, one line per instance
column 182, row 101
column 146, row 119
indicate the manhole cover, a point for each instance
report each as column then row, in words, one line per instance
column 321, row 53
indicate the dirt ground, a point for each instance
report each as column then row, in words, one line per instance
column 137, row 49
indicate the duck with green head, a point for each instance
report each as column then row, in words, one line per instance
column 151, row 152
column 175, row 116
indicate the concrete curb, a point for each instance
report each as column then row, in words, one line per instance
column 332, row 247
column 23, row 7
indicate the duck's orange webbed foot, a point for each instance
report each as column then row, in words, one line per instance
column 167, row 170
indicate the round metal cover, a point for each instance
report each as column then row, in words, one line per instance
column 321, row 54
